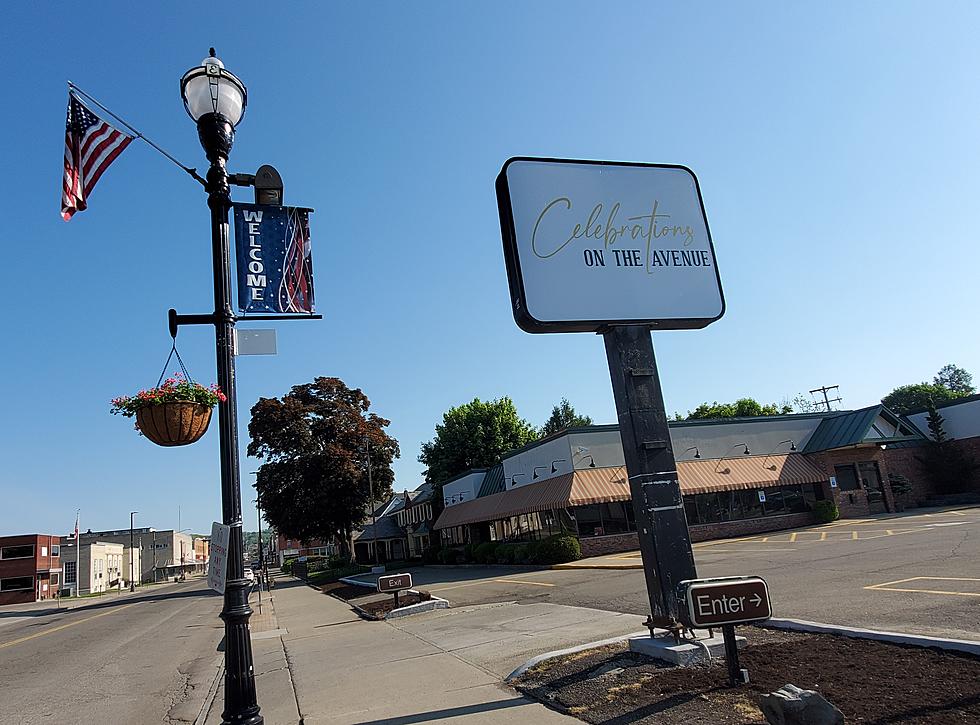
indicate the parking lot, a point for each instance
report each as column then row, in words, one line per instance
column 917, row 572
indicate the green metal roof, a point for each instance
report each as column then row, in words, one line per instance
column 850, row 428
column 493, row 482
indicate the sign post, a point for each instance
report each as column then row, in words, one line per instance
column 394, row 583
column 619, row 249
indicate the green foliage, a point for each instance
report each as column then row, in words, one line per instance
column 955, row 379
column 173, row 390
column 505, row 554
column 803, row 404
column 948, row 466
column 473, row 435
column 563, row 416
column 900, row 485
column 287, row 566
column 431, row 554
column 907, row 399
column 826, row 511
column 485, row 552
column 314, row 482
column 741, row 408
column 324, row 576
column 521, row 554
column 448, row 556
column 468, row 555
column 558, row 550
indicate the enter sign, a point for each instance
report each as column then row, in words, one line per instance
column 727, row 600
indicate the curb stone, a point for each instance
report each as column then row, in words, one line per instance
column 915, row 640
column 569, row 651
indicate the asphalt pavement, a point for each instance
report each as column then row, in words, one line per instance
column 145, row 657
column 916, row 573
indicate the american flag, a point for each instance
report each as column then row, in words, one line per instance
column 91, row 144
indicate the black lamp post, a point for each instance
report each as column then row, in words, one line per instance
column 216, row 100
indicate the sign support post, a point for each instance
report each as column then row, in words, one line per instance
column 665, row 543
column 731, row 656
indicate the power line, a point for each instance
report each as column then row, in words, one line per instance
column 827, row 400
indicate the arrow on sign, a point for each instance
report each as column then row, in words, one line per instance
column 756, row 599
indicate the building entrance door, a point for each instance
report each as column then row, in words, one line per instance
column 872, row 484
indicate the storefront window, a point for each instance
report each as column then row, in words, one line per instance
column 751, row 505
column 589, row 520
column 847, row 479
column 691, row 510
column 614, row 520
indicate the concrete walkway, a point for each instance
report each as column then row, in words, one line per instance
column 316, row 660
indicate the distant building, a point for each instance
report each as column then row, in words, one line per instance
column 96, row 566
column 30, row 568
column 285, row 547
column 163, row 554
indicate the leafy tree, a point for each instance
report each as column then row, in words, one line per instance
column 741, row 408
column 949, row 467
column 314, row 482
column 473, row 435
column 955, row 379
column 907, row 399
column 803, row 404
column 950, row 383
column 564, row 416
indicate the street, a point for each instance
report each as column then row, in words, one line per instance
column 916, row 573
column 145, row 657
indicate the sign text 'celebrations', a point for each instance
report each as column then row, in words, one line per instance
column 275, row 265
column 728, row 600
column 593, row 243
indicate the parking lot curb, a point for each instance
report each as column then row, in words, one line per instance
column 914, row 640
column 597, row 566
column 570, row 651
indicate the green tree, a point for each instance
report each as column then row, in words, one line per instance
column 741, row 408
column 949, row 467
column 314, row 482
column 955, row 379
column 564, row 416
column 907, row 399
column 473, row 435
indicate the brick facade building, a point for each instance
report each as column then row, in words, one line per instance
column 30, row 568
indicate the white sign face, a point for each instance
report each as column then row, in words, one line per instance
column 594, row 243
column 255, row 342
column 833, row 481
column 218, row 561
column 762, row 496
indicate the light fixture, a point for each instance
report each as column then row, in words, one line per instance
column 745, row 452
column 535, row 476
column 513, row 479
column 557, row 460
column 209, row 88
column 792, row 447
column 697, row 451
column 591, row 461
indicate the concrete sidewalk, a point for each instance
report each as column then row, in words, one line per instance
column 316, row 660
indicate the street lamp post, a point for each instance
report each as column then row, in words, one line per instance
column 215, row 99
column 132, row 583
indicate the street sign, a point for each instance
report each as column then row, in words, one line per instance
column 726, row 600
column 218, row 557
column 255, row 342
column 394, row 582
column 833, row 481
column 590, row 244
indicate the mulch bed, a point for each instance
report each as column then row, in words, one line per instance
column 381, row 607
column 346, row 591
column 870, row 682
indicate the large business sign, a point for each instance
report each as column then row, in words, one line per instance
column 593, row 243
column 275, row 266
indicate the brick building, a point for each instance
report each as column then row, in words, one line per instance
column 30, row 568
column 737, row 476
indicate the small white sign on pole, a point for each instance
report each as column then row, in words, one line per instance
column 833, row 481
column 218, row 558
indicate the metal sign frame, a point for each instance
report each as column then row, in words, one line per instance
column 690, row 587
column 393, row 577
column 515, row 278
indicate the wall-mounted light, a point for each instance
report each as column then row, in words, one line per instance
column 535, row 476
column 697, row 451
column 557, row 460
column 745, row 452
column 513, row 479
column 792, row 447
column 591, row 461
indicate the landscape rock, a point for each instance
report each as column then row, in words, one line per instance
column 790, row 705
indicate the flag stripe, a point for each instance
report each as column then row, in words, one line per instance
column 92, row 159
column 108, row 160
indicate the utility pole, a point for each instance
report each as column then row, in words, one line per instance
column 132, row 584
column 374, row 515
column 825, row 389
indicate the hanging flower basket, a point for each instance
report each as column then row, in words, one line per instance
column 176, row 413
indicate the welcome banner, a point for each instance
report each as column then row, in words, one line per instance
column 275, row 265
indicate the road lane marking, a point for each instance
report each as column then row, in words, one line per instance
column 12, row 642
column 524, row 581
column 888, row 586
column 491, row 581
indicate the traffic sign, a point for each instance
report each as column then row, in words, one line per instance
column 394, row 582
column 726, row 600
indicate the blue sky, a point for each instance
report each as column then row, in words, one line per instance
column 836, row 147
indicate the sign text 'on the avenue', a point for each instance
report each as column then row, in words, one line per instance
column 729, row 600
column 589, row 244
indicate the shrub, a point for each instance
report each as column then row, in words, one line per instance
column 826, row 511
column 468, row 553
column 339, row 562
column 485, row 552
column 287, row 566
column 448, row 556
column 559, row 549
column 505, row 554
column 431, row 555
column 521, row 554
column 533, row 548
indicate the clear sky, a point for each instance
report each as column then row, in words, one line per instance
column 836, row 146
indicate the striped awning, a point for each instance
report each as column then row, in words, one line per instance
column 602, row 485
column 747, row 472
column 588, row 486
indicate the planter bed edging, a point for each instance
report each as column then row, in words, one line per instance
column 426, row 606
column 915, row 640
column 521, row 669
